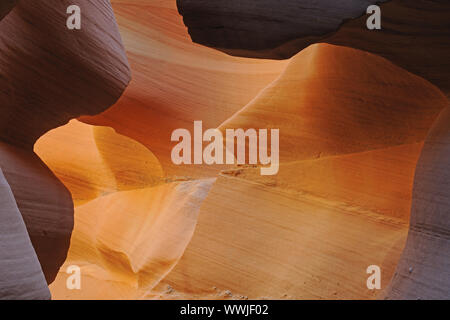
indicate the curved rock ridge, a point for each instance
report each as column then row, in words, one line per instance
column 424, row 269
column 94, row 161
column 126, row 242
column 21, row 275
column 68, row 72
column 414, row 33
column 6, row 6
column 48, row 75
column 176, row 81
column 333, row 100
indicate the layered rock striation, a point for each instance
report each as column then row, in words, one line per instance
column 48, row 75
column 414, row 34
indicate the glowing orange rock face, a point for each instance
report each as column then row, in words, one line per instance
column 176, row 81
column 94, row 161
column 256, row 241
column 333, row 100
column 352, row 127
column 126, row 242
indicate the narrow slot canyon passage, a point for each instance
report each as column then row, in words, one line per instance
column 87, row 172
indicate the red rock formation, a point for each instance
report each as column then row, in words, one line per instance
column 95, row 161
column 67, row 74
column 414, row 36
column 21, row 275
column 334, row 197
column 48, row 76
column 126, row 242
column 243, row 26
column 357, row 122
column 43, row 201
column 351, row 180
column 176, row 81
column 350, row 123
column 258, row 242
column 324, row 107
column 414, row 33
column 424, row 269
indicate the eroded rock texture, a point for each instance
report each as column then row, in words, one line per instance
column 49, row 75
column 351, row 122
column 270, row 244
column 424, row 269
column 127, row 241
column 176, row 81
column 354, row 124
column 324, row 214
column 324, row 107
column 21, row 275
column 94, row 161
column 66, row 74
column 414, row 36
column 414, row 33
column 43, row 201
column 264, row 25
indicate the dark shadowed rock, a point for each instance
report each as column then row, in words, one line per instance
column 21, row 276
column 264, row 25
column 424, row 269
column 414, row 33
column 6, row 6
column 49, row 75
column 46, row 205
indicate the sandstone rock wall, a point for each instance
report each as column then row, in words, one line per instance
column 414, row 33
column 49, row 75
column 414, row 36
column 21, row 275
column 424, row 269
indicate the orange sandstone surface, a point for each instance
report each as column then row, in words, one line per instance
column 352, row 127
column 176, row 81
column 97, row 161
